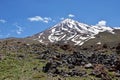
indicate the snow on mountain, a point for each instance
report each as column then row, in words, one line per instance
column 116, row 27
column 72, row 31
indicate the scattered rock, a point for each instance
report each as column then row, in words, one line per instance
column 101, row 72
column 70, row 61
column 117, row 74
column 71, row 66
column 88, row 66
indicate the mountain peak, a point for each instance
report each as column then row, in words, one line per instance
column 71, row 31
column 71, row 21
column 68, row 20
column 72, row 24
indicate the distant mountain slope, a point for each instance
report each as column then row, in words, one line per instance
column 105, row 38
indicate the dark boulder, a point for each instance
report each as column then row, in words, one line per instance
column 46, row 68
column 118, row 49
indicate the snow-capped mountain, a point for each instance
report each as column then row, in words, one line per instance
column 71, row 31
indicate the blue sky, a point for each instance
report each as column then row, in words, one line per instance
column 21, row 18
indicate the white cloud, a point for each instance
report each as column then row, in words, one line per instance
column 19, row 29
column 39, row 18
column 36, row 18
column 46, row 19
column 102, row 23
column 71, row 15
column 2, row 21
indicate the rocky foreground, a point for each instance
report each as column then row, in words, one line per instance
column 102, row 63
column 78, row 64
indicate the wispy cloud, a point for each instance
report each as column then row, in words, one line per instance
column 71, row 15
column 8, row 35
column 36, row 18
column 62, row 18
column 19, row 29
column 102, row 23
column 2, row 21
column 39, row 18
